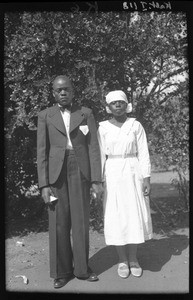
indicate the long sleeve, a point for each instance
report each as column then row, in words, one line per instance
column 42, row 152
column 102, row 150
column 142, row 151
column 93, row 148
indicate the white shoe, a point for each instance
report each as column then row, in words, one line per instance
column 136, row 270
column 123, row 270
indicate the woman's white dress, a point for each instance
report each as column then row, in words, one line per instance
column 127, row 216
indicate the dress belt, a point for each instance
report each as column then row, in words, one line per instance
column 69, row 152
column 121, row 156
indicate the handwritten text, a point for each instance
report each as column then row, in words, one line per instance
column 146, row 6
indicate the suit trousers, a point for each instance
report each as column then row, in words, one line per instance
column 69, row 222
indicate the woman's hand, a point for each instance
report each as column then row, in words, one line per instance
column 97, row 190
column 146, row 186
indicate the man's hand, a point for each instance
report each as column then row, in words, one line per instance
column 45, row 193
column 146, row 186
column 97, row 189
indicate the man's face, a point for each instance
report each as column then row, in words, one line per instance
column 62, row 91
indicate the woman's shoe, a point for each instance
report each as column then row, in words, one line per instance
column 136, row 270
column 123, row 270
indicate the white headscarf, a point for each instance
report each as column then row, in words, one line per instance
column 117, row 96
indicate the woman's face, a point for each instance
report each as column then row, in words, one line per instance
column 118, row 108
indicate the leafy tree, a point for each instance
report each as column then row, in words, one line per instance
column 137, row 52
column 170, row 137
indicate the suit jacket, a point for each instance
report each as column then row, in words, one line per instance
column 52, row 141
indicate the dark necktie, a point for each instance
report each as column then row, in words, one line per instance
column 68, row 106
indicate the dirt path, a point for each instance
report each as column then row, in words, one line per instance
column 164, row 259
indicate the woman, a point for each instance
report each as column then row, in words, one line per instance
column 126, row 168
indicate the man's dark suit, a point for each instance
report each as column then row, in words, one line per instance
column 53, row 163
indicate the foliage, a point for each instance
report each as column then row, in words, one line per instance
column 182, row 184
column 170, row 137
column 137, row 52
column 96, row 214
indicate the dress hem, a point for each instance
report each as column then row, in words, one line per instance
column 121, row 243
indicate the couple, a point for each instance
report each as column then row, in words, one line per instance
column 74, row 159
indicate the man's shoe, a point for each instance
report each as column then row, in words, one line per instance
column 92, row 277
column 60, row 282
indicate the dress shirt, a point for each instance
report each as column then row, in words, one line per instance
column 66, row 118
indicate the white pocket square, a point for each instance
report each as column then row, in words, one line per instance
column 84, row 129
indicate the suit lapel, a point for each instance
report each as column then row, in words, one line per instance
column 76, row 118
column 56, row 119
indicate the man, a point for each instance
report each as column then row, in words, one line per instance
column 68, row 160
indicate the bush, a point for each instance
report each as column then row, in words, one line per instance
column 96, row 214
column 99, row 52
column 182, row 185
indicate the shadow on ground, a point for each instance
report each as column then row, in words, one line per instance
column 149, row 254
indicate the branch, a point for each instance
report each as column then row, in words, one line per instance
column 166, row 87
column 167, row 77
column 176, row 72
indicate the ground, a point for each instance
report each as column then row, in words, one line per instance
column 164, row 259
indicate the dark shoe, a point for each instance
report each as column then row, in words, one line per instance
column 60, row 282
column 92, row 277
